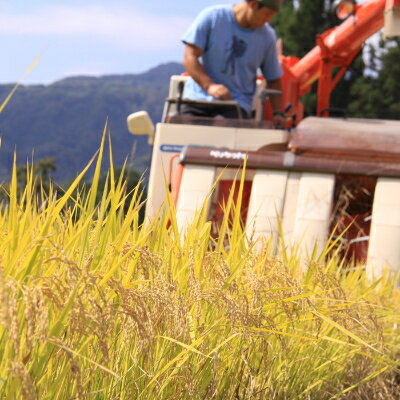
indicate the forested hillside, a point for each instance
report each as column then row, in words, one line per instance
column 65, row 120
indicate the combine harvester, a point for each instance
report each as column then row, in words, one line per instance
column 296, row 175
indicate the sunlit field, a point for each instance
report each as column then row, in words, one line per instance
column 96, row 306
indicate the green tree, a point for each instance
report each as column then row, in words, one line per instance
column 298, row 24
column 377, row 95
column 41, row 170
column 42, row 179
column 369, row 91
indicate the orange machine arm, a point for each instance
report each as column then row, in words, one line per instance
column 335, row 48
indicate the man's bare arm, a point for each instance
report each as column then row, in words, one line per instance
column 196, row 71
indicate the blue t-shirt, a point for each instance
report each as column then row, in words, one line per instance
column 232, row 54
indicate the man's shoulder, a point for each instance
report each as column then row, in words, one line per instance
column 269, row 31
column 266, row 35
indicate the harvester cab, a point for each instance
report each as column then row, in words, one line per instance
column 323, row 177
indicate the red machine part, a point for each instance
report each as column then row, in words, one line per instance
column 352, row 215
column 176, row 184
column 351, row 222
column 335, row 48
column 224, row 188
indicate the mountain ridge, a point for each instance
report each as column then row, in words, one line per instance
column 65, row 119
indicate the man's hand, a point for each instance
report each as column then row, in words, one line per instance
column 197, row 72
column 218, row 91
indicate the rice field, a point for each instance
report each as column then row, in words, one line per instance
column 96, row 306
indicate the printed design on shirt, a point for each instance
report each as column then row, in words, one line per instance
column 236, row 50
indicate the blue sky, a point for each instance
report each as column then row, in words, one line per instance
column 91, row 37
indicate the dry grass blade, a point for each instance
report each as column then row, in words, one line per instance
column 71, row 351
column 14, row 89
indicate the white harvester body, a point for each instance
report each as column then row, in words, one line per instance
column 170, row 139
column 292, row 182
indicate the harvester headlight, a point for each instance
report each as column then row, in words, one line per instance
column 140, row 123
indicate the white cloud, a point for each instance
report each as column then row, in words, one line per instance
column 126, row 27
column 86, row 70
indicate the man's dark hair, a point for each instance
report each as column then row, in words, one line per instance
column 259, row 5
column 271, row 4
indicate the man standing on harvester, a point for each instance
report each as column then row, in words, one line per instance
column 232, row 44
